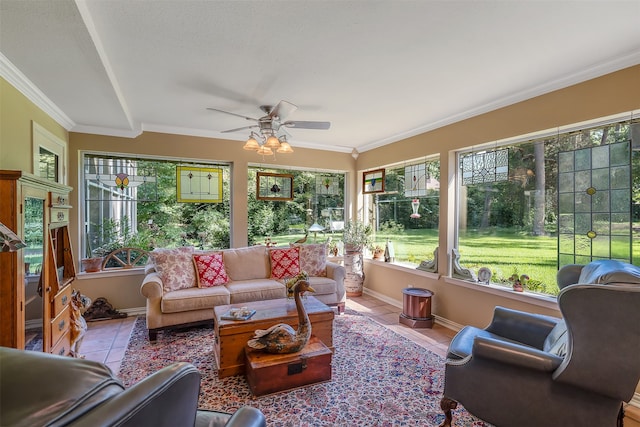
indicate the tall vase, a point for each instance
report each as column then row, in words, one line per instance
column 353, row 263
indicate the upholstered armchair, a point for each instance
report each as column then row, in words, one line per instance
column 39, row 389
column 531, row 370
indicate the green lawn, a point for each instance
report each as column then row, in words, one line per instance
column 505, row 252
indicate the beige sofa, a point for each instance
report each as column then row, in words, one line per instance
column 249, row 273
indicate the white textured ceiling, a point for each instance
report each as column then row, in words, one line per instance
column 379, row 71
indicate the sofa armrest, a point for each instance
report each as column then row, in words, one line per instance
column 337, row 272
column 528, row 328
column 152, row 286
column 168, row 397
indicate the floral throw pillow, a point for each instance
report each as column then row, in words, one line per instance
column 313, row 259
column 284, row 262
column 174, row 267
column 210, row 270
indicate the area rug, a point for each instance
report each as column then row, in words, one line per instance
column 379, row 378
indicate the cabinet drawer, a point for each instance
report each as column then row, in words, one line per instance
column 59, row 215
column 60, row 325
column 63, row 346
column 59, row 199
column 61, row 300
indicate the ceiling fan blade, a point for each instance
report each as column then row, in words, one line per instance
column 233, row 114
column 307, row 125
column 242, row 128
column 282, row 110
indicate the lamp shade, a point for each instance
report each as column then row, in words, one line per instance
column 265, row 151
column 285, row 148
column 316, row 227
column 272, row 142
column 251, row 144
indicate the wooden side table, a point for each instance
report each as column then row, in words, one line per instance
column 416, row 308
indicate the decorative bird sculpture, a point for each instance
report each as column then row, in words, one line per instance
column 281, row 338
column 304, row 239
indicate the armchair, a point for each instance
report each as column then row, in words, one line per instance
column 48, row 390
column 532, row 370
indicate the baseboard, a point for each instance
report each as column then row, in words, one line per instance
column 135, row 311
column 438, row 319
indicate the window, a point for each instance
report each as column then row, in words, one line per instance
column 406, row 212
column 314, row 206
column 49, row 161
column 133, row 202
column 530, row 207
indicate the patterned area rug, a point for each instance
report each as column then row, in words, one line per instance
column 379, row 378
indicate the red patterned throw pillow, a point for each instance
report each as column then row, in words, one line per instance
column 284, row 262
column 210, row 269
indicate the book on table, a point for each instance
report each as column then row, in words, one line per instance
column 238, row 314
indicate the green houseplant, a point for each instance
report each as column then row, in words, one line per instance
column 357, row 235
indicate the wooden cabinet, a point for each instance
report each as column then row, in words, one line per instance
column 35, row 283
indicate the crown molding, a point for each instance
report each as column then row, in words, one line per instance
column 596, row 71
column 14, row 76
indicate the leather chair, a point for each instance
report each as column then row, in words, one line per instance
column 532, row 370
column 39, row 389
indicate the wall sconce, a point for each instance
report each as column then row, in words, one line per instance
column 355, row 154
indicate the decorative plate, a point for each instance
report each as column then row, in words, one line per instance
column 484, row 275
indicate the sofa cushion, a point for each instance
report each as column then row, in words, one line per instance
column 194, row 299
column 322, row 285
column 174, row 267
column 313, row 259
column 609, row 271
column 255, row 290
column 209, row 269
column 247, row 263
column 285, row 262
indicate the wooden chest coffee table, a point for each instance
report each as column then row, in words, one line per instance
column 232, row 335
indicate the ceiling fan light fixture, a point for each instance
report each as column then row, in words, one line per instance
column 285, row 148
column 272, row 142
column 265, row 151
column 251, row 144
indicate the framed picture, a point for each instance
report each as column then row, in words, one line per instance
column 373, row 181
column 274, row 186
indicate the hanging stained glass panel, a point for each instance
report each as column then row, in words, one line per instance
column 117, row 179
column 485, row 167
column 415, row 180
column 327, row 185
column 199, row 184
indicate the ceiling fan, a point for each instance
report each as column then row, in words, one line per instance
column 269, row 126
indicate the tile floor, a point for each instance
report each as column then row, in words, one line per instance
column 107, row 340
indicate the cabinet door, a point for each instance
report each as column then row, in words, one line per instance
column 34, row 261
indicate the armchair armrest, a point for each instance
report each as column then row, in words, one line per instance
column 568, row 275
column 527, row 328
column 514, row 354
column 246, row 416
column 168, row 397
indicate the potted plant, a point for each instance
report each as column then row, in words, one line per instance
column 356, row 236
column 93, row 262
